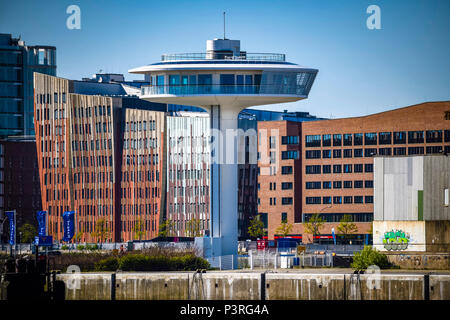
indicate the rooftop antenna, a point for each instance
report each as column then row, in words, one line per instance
column 224, row 26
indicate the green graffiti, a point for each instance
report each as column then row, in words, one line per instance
column 396, row 240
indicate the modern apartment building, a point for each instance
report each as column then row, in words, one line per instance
column 335, row 158
column 99, row 158
column 17, row 64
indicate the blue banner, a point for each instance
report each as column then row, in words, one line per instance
column 69, row 225
column 43, row 241
column 12, row 226
column 41, row 217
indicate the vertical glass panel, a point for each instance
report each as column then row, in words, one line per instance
column 248, row 79
column 174, row 80
column 184, row 80
column 193, row 79
column 160, row 80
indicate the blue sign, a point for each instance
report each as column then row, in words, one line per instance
column 69, row 225
column 12, row 226
column 41, row 217
column 44, row 241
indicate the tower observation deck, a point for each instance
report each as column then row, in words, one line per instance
column 223, row 81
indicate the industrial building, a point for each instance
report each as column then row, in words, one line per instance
column 411, row 203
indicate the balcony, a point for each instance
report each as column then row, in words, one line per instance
column 187, row 90
column 275, row 57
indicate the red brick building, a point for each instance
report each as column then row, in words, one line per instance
column 330, row 164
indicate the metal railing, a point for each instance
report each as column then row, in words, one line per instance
column 277, row 89
column 220, row 56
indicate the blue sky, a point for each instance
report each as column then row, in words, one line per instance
column 361, row 71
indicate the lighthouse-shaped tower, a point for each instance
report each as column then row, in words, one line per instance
column 223, row 81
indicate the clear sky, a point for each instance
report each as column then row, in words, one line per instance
column 361, row 71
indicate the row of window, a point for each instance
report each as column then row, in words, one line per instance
column 370, row 152
column 47, row 98
column 372, row 138
column 339, row 200
column 348, row 184
column 284, row 201
column 339, row 168
column 140, row 126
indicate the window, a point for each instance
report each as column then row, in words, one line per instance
column 415, row 150
column 337, row 184
column 415, row 137
column 160, row 80
column 313, row 141
column 358, row 199
column 326, row 168
column 286, row 201
column 285, row 155
column 358, row 139
column 399, row 151
column 312, row 154
column 447, row 136
column 434, row 149
column 284, row 217
column 326, row 138
column 326, row 200
column 347, row 168
column 358, row 184
column 312, row 200
column 358, row 167
column 326, row 184
column 358, row 153
column 434, row 136
column 348, row 139
column 370, row 138
column 368, row 167
column 313, row 185
column 385, row 151
column 289, row 140
column 370, row 152
column 385, row 137
column 286, row 185
column 337, row 153
column 337, row 200
column 348, row 199
column 369, row 199
column 286, row 170
column 313, row 169
column 347, row 153
column 337, row 140
column 337, row 168
column 272, row 142
column 326, row 154
column 347, row 184
column 400, row 137
column 368, row 183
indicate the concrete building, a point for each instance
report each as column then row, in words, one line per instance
column 17, row 64
column 224, row 81
column 19, row 181
column 411, row 209
column 99, row 158
column 336, row 160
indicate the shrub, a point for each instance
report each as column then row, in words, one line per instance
column 140, row 262
column 108, row 264
column 369, row 256
column 64, row 247
column 80, row 247
column 92, row 247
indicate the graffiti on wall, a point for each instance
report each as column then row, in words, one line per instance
column 396, row 240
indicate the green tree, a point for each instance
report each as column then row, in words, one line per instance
column 166, row 228
column 284, row 228
column 28, row 232
column 346, row 227
column 256, row 228
column 194, row 228
column 139, row 228
column 101, row 230
column 78, row 236
column 313, row 225
column 369, row 256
